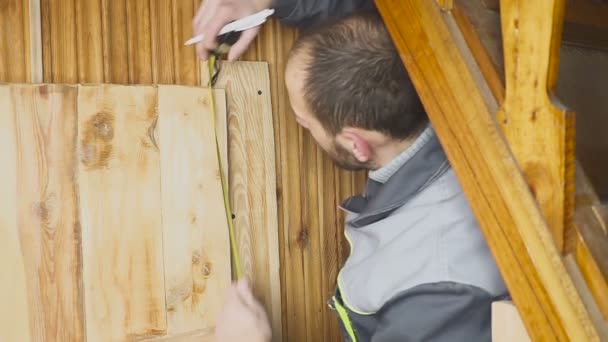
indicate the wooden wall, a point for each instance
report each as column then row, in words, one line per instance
column 141, row 42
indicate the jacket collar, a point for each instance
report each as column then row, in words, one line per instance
column 427, row 163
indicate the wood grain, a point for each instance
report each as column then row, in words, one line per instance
column 539, row 130
column 14, row 313
column 114, row 16
column 119, row 191
column 196, row 242
column 252, row 178
column 512, row 223
column 60, row 50
column 139, row 41
column 14, row 41
column 163, row 69
column 35, row 42
column 150, row 44
column 90, row 42
column 185, row 61
column 47, row 224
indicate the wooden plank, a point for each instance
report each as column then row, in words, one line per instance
column 163, row 70
column 116, row 67
column 481, row 54
column 506, row 323
column 48, row 228
column 184, row 57
column 45, row 26
column 89, row 39
column 60, row 52
column 252, row 178
column 14, row 41
column 119, row 188
column 196, row 240
column 329, row 243
column 506, row 211
column 588, row 300
column 308, row 238
column 139, row 41
column 35, row 42
column 14, row 314
column 540, row 132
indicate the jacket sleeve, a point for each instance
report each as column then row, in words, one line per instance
column 307, row 12
column 440, row 312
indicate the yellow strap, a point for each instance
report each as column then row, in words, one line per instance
column 233, row 246
column 345, row 320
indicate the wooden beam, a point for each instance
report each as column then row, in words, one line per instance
column 540, row 134
column 461, row 110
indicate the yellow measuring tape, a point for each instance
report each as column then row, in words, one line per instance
column 233, row 246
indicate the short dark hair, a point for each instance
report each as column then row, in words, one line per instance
column 355, row 77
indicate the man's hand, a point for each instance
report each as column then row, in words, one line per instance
column 212, row 15
column 242, row 318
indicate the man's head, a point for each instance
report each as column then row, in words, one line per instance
column 348, row 87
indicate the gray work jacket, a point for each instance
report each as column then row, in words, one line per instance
column 419, row 267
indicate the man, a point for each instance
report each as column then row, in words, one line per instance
column 419, row 268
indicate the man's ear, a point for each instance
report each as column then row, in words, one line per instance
column 357, row 144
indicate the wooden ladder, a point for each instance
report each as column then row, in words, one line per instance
column 511, row 145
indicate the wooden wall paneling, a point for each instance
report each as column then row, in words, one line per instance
column 196, row 243
column 511, row 222
column 116, row 67
column 252, row 178
column 539, row 130
column 329, row 242
column 60, row 52
column 47, row 225
column 161, row 21
column 184, row 57
column 119, row 180
column 14, row 41
column 308, row 237
column 35, row 42
column 292, row 145
column 90, row 42
column 139, row 43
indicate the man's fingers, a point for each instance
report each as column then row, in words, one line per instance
column 243, row 43
column 214, row 25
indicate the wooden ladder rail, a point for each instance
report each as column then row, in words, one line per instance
column 461, row 108
column 587, row 240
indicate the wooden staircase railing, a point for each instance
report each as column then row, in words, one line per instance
column 513, row 153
